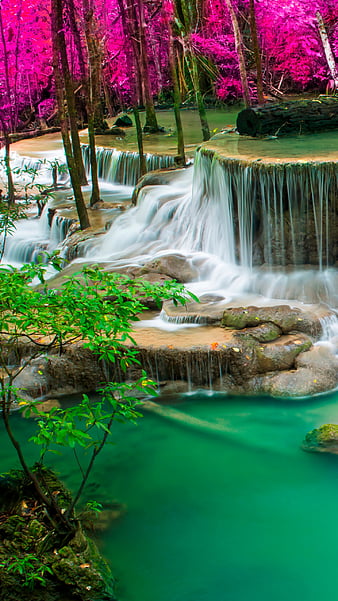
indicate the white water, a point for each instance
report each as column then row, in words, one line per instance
column 207, row 214
column 194, row 216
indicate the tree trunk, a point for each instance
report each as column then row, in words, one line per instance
column 240, row 53
column 327, row 49
column 70, row 98
column 10, row 183
column 176, row 95
column 6, row 69
column 57, row 40
column 151, row 124
column 143, row 166
column 257, row 54
column 184, row 13
column 94, row 60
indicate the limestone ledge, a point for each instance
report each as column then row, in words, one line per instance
column 271, row 351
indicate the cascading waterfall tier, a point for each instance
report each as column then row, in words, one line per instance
column 283, row 213
column 116, row 166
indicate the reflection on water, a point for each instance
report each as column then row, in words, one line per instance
column 320, row 146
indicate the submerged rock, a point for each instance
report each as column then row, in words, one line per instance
column 322, row 440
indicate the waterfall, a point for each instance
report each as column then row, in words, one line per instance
column 34, row 237
column 249, row 228
column 117, row 166
column 246, row 227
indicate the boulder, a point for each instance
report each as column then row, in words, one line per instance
column 175, row 266
column 113, row 131
column 283, row 316
column 314, row 372
column 322, row 440
column 123, row 121
column 158, row 177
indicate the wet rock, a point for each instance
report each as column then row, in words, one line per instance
column 148, row 129
column 283, row 316
column 203, row 313
column 280, row 355
column 314, row 372
column 266, row 332
column 123, row 121
column 157, row 177
column 322, row 440
column 113, row 131
column 175, row 266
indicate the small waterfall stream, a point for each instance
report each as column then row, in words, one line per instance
column 119, row 167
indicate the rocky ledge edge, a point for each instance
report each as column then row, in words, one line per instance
column 240, row 350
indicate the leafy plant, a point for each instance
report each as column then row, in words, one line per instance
column 93, row 308
column 29, row 569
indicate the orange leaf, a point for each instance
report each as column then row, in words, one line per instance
column 214, row 345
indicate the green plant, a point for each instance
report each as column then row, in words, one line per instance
column 94, row 506
column 29, row 568
column 96, row 309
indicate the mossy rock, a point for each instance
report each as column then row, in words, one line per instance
column 265, row 332
column 322, row 440
column 72, row 572
column 286, row 318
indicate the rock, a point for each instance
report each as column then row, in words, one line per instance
column 283, row 316
column 113, row 131
column 43, row 406
column 322, row 440
column 314, row 372
column 175, row 266
column 148, row 129
column 208, row 312
column 158, row 177
column 266, row 332
column 123, row 121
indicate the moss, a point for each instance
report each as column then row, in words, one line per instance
column 78, row 572
column 324, row 438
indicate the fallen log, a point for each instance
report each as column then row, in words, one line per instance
column 294, row 117
column 31, row 133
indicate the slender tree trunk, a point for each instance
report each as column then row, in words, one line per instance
column 47, row 500
column 186, row 14
column 130, row 56
column 7, row 160
column 70, row 98
column 93, row 96
column 17, row 46
column 198, row 94
column 143, row 166
column 10, row 183
column 57, row 40
column 327, row 49
column 176, row 94
column 240, row 53
column 6, row 69
column 257, row 54
column 151, row 119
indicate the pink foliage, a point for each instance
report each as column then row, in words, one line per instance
column 292, row 50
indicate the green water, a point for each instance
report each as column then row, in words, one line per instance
column 238, row 513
